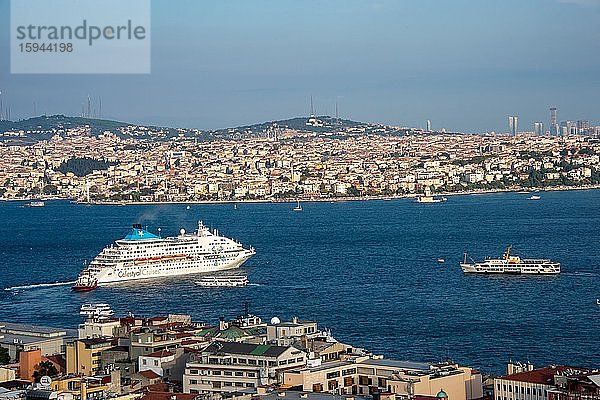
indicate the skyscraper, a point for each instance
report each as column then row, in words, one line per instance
column 553, row 122
column 513, row 125
column 538, row 128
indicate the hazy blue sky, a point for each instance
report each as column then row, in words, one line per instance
column 464, row 64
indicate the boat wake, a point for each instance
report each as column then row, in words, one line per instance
column 584, row 274
column 38, row 285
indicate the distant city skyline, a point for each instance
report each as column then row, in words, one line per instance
column 459, row 64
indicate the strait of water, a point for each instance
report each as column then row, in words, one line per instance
column 365, row 269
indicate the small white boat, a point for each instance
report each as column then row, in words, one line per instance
column 598, row 302
column 223, row 281
column 188, row 207
column 35, row 203
column 298, row 207
column 97, row 311
column 534, row 197
column 441, row 260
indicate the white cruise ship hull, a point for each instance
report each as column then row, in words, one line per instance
column 129, row 272
column 143, row 255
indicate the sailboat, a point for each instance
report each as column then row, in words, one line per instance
column 298, row 208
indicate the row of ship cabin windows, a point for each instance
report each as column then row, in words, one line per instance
column 523, row 390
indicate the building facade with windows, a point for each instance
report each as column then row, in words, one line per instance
column 231, row 366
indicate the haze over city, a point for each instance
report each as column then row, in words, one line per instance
column 465, row 65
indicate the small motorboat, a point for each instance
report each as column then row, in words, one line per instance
column 441, row 260
column 598, row 302
column 223, row 281
column 534, row 197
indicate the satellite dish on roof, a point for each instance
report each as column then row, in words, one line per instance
column 275, row 321
column 45, row 381
column 182, row 231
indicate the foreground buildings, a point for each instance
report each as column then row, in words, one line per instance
column 176, row 358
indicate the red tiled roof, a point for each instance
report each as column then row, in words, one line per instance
column 168, row 396
column 544, row 376
column 149, row 374
column 159, row 354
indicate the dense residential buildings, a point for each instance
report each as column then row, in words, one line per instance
column 136, row 164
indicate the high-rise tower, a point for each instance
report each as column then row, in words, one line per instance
column 513, row 125
column 553, row 122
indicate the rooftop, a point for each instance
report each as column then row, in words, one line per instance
column 247, row 349
column 544, row 376
column 413, row 365
column 31, row 330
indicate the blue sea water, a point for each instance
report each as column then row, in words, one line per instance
column 365, row 269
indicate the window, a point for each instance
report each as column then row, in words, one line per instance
column 249, row 385
column 193, row 372
column 364, row 380
column 216, row 385
column 156, row 363
column 238, row 373
column 251, row 362
column 251, row 374
column 317, row 387
column 144, row 361
column 227, row 373
column 333, row 374
column 193, row 381
column 216, row 372
column 528, row 390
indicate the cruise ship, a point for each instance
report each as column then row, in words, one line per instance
column 143, row 255
column 510, row 264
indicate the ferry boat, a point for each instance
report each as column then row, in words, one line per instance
column 510, row 264
column 223, row 281
column 143, row 255
column 427, row 197
column 96, row 311
column 35, row 203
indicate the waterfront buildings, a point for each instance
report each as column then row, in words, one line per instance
column 523, row 382
column 351, row 162
column 24, row 337
column 230, row 366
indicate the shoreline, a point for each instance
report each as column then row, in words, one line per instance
column 317, row 199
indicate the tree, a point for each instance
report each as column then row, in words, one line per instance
column 4, row 357
column 50, row 189
column 42, row 369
